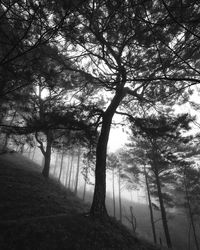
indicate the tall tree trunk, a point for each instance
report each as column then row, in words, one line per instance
column 191, row 215
column 61, row 166
column 45, row 171
column 150, row 207
column 70, row 171
column 113, row 186
column 77, row 170
column 163, row 212
column 98, row 208
column 120, row 200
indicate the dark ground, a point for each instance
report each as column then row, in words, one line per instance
column 39, row 214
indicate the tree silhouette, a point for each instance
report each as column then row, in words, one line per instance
column 134, row 51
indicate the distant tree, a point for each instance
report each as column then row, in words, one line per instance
column 161, row 135
column 132, row 219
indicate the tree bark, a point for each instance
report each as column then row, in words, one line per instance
column 98, row 208
column 47, row 155
column 77, row 170
column 163, row 212
column 150, row 207
column 113, row 184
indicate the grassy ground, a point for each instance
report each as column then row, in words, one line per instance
column 39, row 214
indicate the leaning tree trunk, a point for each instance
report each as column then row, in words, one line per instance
column 47, row 156
column 163, row 212
column 98, row 208
column 150, row 207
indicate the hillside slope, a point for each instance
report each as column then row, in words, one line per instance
column 40, row 214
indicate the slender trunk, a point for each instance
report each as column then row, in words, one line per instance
column 61, row 166
column 70, row 171
column 120, row 200
column 163, row 212
column 77, row 170
column 113, row 184
column 150, row 207
column 67, row 172
column 45, row 171
column 85, row 184
column 133, row 219
column 191, row 216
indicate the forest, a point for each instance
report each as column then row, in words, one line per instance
column 73, row 71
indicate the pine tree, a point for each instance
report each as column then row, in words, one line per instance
column 161, row 135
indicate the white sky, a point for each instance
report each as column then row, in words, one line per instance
column 117, row 139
